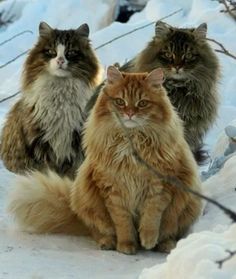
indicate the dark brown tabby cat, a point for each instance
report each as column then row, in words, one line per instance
column 191, row 72
column 43, row 128
column 117, row 198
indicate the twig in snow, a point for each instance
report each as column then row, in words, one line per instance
column 14, row 59
column 223, row 49
column 9, row 97
column 17, row 35
column 136, row 29
column 230, row 8
column 230, row 256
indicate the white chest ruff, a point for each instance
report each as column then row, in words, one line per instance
column 59, row 103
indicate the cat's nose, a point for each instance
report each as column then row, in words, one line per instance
column 130, row 113
column 60, row 60
column 178, row 67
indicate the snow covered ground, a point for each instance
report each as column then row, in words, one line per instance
column 24, row 256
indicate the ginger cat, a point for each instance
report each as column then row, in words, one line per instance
column 192, row 74
column 119, row 200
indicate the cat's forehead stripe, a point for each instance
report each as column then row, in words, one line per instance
column 132, row 90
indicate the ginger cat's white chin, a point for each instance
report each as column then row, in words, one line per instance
column 130, row 123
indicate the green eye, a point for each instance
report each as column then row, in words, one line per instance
column 188, row 56
column 119, row 102
column 142, row 103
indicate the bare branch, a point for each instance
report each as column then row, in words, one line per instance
column 172, row 180
column 230, row 7
column 17, row 35
column 10, row 97
column 136, row 29
column 230, row 256
column 223, row 49
column 14, row 59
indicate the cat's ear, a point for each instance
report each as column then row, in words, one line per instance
column 83, row 30
column 44, row 29
column 161, row 29
column 201, row 31
column 155, row 78
column 113, row 75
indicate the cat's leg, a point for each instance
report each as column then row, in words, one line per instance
column 165, row 246
column 189, row 215
column 88, row 204
column 105, row 242
column 125, row 230
column 14, row 152
column 176, row 222
column 157, row 200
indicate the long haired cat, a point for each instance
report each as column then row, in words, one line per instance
column 43, row 128
column 116, row 197
column 191, row 72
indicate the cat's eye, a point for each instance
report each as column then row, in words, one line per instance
column 50, row 52
column 189, row 56
column 119, row 102
column 168, row 55
column 142, row 103
column 72, row 53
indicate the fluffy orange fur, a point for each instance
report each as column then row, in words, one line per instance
column 117, row 197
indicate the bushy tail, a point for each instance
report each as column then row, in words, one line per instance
column 40, row 203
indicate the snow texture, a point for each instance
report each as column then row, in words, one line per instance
column 24, row 256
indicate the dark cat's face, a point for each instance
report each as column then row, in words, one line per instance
column 63, row 50
column 179, row 50
column 62, row 53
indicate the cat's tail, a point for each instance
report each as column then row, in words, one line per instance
column 40, row 203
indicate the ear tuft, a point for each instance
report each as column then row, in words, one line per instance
column 83, row 30
column 201, row 31
column 162, row 29
column 113, row 75
column 155, row 78
column 44, row 29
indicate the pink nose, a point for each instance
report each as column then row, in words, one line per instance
column 60, row 61
column 130, row 113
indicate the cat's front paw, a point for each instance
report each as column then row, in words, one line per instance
column 127, row 247
column 166, row 246
column 148, row 238
column 107, row 243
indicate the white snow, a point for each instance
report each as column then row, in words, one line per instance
column 24, row 256
column 206, row 248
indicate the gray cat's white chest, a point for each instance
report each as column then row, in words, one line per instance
column 59, row 103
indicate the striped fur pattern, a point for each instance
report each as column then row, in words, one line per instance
column 192, row 73
column 116, row 197
column 43, row 129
